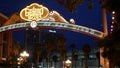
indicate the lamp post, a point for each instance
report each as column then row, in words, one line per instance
column 24, row 54
column 68, row 63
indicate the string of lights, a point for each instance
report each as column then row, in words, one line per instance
column 113, row 21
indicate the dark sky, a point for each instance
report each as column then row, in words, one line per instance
column 82, row 16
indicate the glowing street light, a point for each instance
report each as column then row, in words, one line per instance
column 24, row 54
column 68, row 62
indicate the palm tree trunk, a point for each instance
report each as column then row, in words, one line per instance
column 111, row 64
column 86, row 62
column 75, row 63
column 72, row 58
column 48, row 62
column 63, row 64
column 55, row 64
column 43, row 63
column 37, row 60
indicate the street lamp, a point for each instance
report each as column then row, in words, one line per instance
column 68, row 62
column 19, row 60
column 24, row 54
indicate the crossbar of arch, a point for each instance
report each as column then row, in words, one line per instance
column 66, row 26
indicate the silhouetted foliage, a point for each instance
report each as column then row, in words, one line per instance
column 113, row 5
column 111, row 46
column 71, row 5
column 110, row 5
column 86, row 50
column 61, row 46
column 12, row 58
column 55, row 58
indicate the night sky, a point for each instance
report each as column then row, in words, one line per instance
column 82, row 16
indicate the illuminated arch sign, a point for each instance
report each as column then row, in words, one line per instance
column 72, row 27
column 38, row 15
column 34, row 12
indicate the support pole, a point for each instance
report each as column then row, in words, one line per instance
column 104, row 61
column 1, row 46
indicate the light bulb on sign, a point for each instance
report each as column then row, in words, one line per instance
column 113, row 18
column 113, row 12
column 33, row 24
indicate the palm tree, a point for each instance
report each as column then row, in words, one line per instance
column 14, row 53
column 75, row 58
column 98, row 57
column 55, row 59
column 36, row 53
column 111, row 49
column 70, row 5
column 50, row 46
column 72, row 46
column 61, row 45
column 43, row 55
column 86, row 50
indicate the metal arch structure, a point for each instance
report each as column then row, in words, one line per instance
column 53, row 20
column 6, row 32
column 72, row 27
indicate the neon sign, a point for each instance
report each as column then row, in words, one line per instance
column 34, row 12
